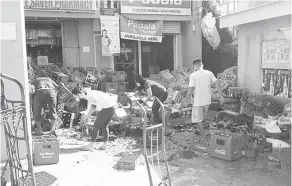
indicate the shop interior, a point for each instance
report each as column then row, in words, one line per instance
column 44, row 39
column 128, row 61
column 155, row 57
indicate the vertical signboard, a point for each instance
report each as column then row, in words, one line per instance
column 276, row 68
column 110, row 37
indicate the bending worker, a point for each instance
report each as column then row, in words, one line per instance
column 101, row 105
column 43, row 92
column 152, row 88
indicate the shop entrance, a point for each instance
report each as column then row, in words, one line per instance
column 156, row 57
column 44, row 39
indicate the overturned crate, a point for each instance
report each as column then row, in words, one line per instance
column 129, row 162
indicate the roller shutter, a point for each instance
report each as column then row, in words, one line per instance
column 171, row 27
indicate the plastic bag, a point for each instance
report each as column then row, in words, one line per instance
column 210, row 31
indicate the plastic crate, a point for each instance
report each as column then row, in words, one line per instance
column 179, row 121
column 67, row 118
column 45, row 150
column 200, row 144
column 78, row 77
column 72, row 104
column 122, row 86
column 136, row 121
column 117, row 76
column 92, row 70
column 226, row 146
column 64, row 94
column 59, row 77
column 111, row 87
column 70, row 85
column 129, row 162
column 156, row 135
column 42, row 179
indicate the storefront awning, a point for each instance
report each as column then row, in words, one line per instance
column 268, row 11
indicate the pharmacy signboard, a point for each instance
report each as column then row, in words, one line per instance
column 61, row 5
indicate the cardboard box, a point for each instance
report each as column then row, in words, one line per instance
column 45, row 150
column 129, row 162
column 226, row 146
column 118, row 76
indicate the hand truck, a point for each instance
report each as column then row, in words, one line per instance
column 165, row 180
column 16, row 128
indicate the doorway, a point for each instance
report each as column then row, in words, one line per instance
column 156, row 57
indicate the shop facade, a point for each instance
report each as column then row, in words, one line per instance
column 67, row 32
column 263, row 54
column 181, row 37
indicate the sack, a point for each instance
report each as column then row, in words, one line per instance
column 210, row 31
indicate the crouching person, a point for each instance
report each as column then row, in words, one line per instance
column 43, row 92
column 99, row 104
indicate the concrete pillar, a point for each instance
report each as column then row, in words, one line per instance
column 13, row 61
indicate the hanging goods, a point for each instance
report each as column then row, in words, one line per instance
column 209, row 30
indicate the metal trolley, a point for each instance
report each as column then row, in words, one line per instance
column 13, row 118
column 159, row 129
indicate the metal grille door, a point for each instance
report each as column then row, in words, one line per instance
column 70, row 48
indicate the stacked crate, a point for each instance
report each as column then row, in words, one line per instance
column 118, row 83
column 65, row 96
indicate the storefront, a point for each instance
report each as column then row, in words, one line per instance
column 264, row 55
column 65, row 32
column 179, row 30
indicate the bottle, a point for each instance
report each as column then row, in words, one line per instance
column 272, row 85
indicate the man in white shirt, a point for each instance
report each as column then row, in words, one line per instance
column 200, row 84
column 94, row 102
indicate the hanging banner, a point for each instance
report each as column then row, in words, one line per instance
column 156, row 7
column 277, row 82
column 141, row 30
column 110, row 37
column 276, row 54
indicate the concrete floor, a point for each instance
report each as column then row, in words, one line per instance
column 98, row 168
